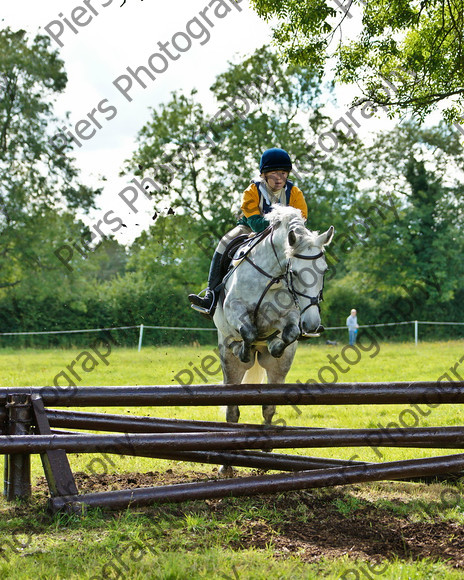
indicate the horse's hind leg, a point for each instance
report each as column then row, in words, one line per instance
column 268, row 413
column 276, row 370
column 232, row 414
column 233, row 373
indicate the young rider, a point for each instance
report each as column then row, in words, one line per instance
column 258, row 200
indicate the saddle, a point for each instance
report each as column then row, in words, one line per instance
column 238, row 248
column 233, row 247
column 235, row 250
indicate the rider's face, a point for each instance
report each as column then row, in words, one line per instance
column 276, row 179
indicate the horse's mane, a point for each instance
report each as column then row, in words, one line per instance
column 291, row 218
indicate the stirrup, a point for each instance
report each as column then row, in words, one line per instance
column 205, row 312
column 200, row 309
column 308, row 335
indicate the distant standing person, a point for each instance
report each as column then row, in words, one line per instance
column 352, row 323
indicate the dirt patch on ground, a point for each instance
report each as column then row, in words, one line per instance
column 310, row 524
column 369, row 533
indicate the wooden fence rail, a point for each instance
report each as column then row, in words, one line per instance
column 28, row 427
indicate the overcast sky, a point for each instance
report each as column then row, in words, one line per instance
column 111, row 38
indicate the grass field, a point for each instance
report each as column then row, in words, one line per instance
column 244, row 538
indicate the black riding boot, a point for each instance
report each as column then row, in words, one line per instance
column 214, row 279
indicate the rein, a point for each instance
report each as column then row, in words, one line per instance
column 287, row 276
column 272, row 279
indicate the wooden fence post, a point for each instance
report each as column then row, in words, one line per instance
column 18, row 467
column 55, row 462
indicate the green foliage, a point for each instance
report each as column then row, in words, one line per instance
column 35, row 180
column 418, row 45
column 408, row 265
column 396, row 205
column 175, row 250
column 204, row 162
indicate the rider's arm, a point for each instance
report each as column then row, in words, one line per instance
column 297, row 200
column 257, row 223
column 251, row 210
column 250, row 201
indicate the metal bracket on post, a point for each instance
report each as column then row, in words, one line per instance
column 55, row 462
column 18, row 467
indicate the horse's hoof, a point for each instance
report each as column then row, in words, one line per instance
column 244, row 353
column 245, row 358
column 277, row 350
column 227, row 471
column 248, row 332
column 290, row 333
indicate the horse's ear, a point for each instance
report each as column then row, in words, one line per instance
column 291, row 238
column 325, row 238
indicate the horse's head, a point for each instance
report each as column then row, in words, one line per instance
column 305, row 274
column 306, row 263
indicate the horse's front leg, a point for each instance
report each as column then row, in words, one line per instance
column 290, row 332
column 238, row 317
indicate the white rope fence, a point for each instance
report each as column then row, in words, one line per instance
column 142, row 327
column 66, row 331
column 139, row 326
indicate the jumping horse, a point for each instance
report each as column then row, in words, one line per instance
column 270, row 299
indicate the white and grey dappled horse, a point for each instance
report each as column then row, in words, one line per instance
column 271, row 298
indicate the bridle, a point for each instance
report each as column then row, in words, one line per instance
column 313, row 300
column 287, row 276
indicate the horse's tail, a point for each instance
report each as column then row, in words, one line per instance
column 256, row 375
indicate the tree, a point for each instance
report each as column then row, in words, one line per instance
column 417, row 46
column 411, row 262
column 172, row 253
column 199, row 163
column 36, row 180
column 109, row 259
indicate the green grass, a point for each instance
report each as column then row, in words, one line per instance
column 190, row 541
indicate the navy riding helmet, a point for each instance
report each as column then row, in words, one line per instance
column 275, row 159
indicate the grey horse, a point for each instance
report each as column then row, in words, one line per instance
column 270, row 300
